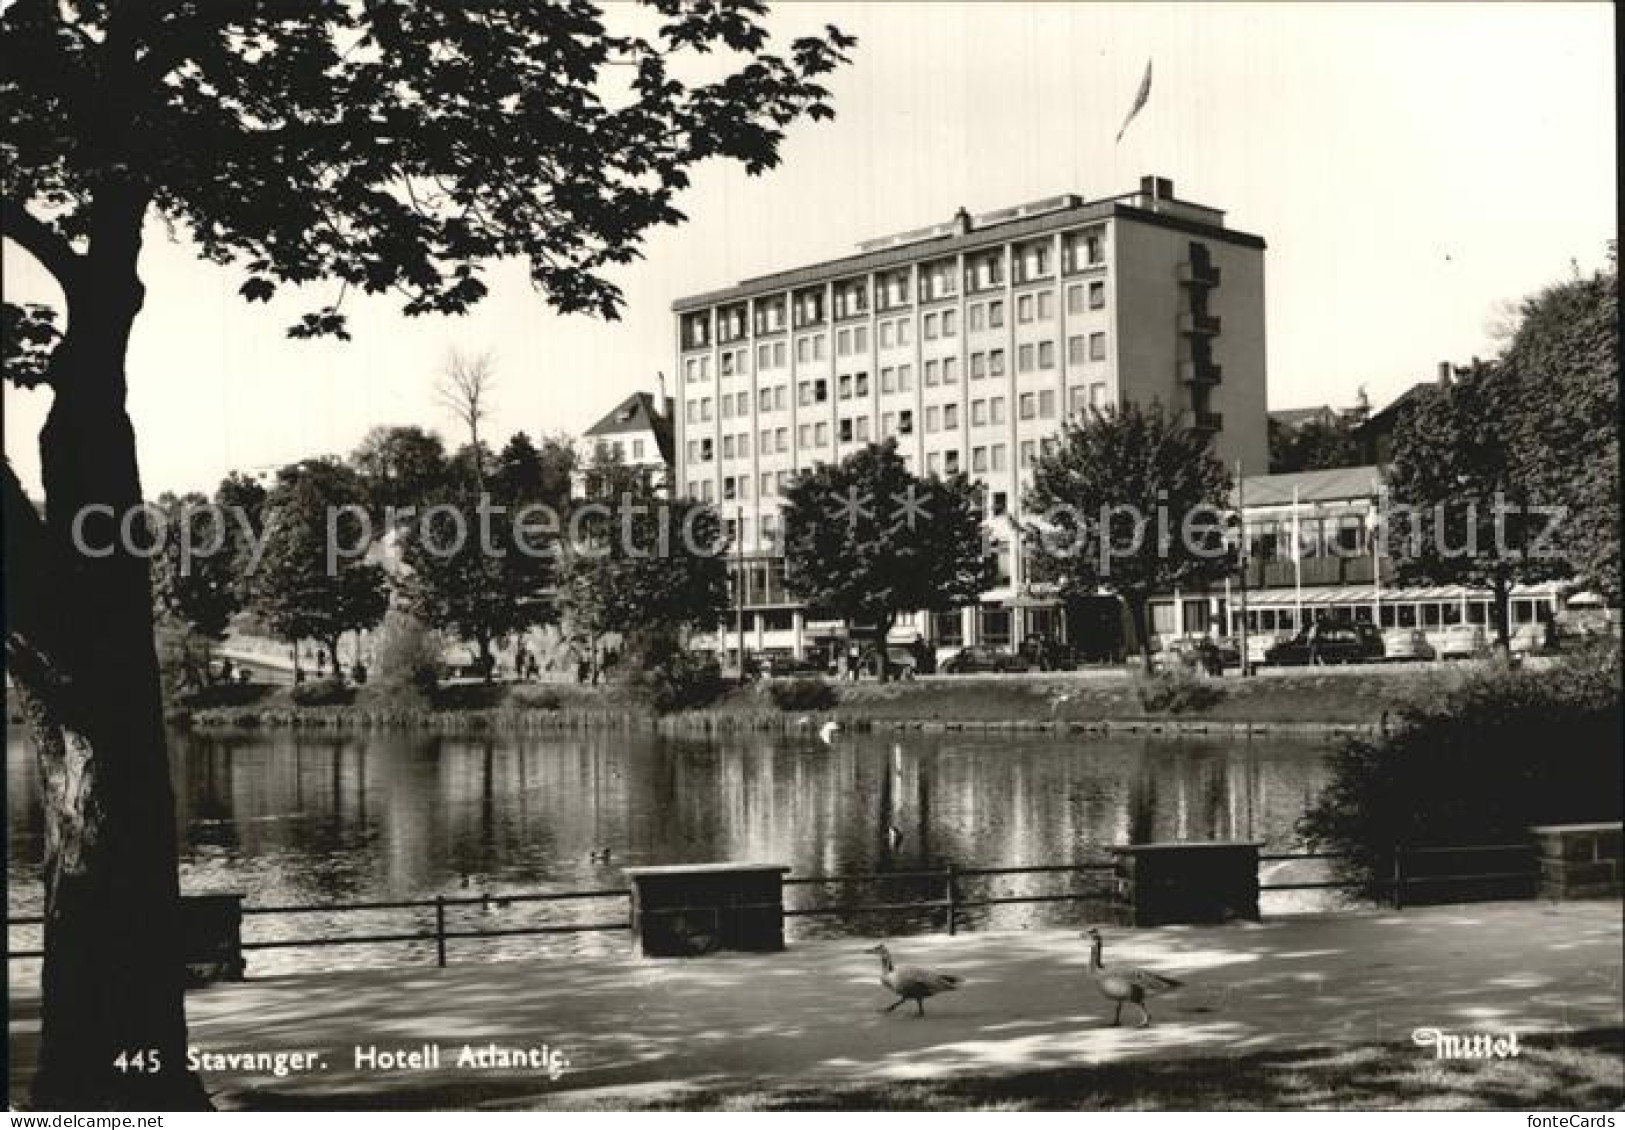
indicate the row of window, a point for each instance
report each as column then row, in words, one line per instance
column 855, row 386
column 1030, row 261
column 1031, row 356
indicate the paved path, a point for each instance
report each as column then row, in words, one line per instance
column 812, row 1013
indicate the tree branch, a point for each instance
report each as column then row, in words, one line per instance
column 42, row 241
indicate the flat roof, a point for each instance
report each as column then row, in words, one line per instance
column 954, row 243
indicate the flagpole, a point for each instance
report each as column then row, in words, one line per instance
column 1297, row 565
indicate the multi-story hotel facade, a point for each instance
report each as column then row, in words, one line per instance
column 968, row 343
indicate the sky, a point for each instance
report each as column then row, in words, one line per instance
column 1412, row 168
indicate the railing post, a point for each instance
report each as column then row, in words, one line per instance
column 440, row 930
column 1399, row 877
column 953, row 902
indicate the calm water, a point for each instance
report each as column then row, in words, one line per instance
column 299, row 819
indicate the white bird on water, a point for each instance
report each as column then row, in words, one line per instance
column 827, row 732
column 913, row 982
column 1132, row 986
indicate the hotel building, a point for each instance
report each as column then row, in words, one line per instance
column 969, row 343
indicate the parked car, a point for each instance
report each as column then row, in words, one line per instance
column 1460, row 641
column 1047, row 653
column 1191, row 653
column 980, row 658
column 1406, row 643
column 906, row 660
column 1328, row 643
column 782, row 664
column 1259, row 644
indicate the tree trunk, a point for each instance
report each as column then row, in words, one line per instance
column 80, row 647
column 487, row 662
column 1142, row 630
column 1501, row 591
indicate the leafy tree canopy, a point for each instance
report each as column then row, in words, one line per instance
column 1100, row 496
column 1564, row 363
column 866, row 539
column 393, row 146
column 1317, row 445
column 399, row 466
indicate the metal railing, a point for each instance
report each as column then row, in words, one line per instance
column 952, row 902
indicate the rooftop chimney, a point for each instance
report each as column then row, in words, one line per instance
column 962, row 224
column 1444, row 372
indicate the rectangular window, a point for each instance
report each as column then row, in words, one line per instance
column 705, row 409
column 977, row 316
column 995, row 314
column 781, row 437
column 763, row 354
column 1027, row 406
column 1097, row 347
column 1046, row 404
column 978, row 413
column 887, row 334
column 996, row 409
column 860, row 384
column 1097, row 296
column 843, row 343
column 995, row 363
column 846, row 386
column 888, row 380
column 950, row 417
column 764, row 400
column 1024, row 359
column 804, row 435
column 860, row 339
column 905, row 378
column 950, row 370
column 950, row 462
column 978, row 460
column 950, row 323
column 905, row 331
column 1024, row 309
column 781, row 396
column 931, row 327
column 846, row 430
column 933, row 462
column 778, row 353
column 933, row 419
column 933, row 371
column 1076, row 352
column 706, row 490
column 1046, row 355
column 888, row 424
column 1029, row 452
column 764, row 442
column 863, row 429
column 820, row 435
column 1097, row 394
column 978, row 366
column 1046, row 305
column 693, row 411
column 997, row 456
column 727, row 407
column 905, row 422
column 804, row 349
column 1074, row 299
column 727, row 447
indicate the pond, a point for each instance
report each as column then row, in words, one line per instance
column 291, row 818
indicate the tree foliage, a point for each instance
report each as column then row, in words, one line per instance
column 866, row 540
column 639, row 564
column 306, row 586
column 399, row 466
column 1316, row 445
column 1100, row 497
column 1563, row 362
column 1461, row 506
column 1477, row 763
column 478, row 562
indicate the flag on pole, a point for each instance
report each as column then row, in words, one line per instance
column 1140, row 100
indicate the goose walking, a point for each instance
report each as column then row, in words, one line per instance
column 1125, row 986
column 912, row 982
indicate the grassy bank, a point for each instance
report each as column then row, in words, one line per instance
column 1287, row 701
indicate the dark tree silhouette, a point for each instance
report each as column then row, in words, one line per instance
column 1099, row 494
column 388, row 147
column 866, row 540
